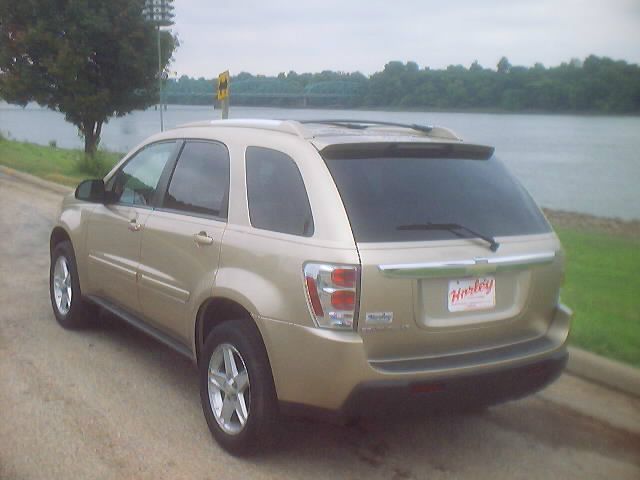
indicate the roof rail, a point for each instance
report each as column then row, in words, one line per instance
column 296, row 127
column 285, row 126
column 438, row 132
column 364, row 124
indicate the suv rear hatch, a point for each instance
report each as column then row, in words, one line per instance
column 456, row 257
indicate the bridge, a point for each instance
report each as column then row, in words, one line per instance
column 271, row 91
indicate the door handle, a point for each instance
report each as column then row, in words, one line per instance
column 134, row 226
column 202, row 238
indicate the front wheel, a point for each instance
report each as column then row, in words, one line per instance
column 64, row 288
column 236, row 388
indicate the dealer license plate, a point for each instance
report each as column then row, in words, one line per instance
column 468, row 294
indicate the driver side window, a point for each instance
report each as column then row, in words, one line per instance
column 136, row 182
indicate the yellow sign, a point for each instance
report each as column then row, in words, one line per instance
column 223, row 85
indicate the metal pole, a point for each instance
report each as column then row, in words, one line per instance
column 160, row 81
column 225, row 108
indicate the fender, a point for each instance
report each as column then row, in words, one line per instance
column 72, row 221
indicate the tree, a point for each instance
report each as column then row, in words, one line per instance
column 503, row 65
column 87, row 59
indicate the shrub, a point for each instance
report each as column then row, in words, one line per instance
column 97, row 165
column 53, row 143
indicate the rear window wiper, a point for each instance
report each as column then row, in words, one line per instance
column 453, row 228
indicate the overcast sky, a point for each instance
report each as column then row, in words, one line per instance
column 272, row 36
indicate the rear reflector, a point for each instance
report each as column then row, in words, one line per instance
column 313, row 297
column 427, row 388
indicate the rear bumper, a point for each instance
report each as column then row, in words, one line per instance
column 458, row 392
column 449, row 394
column 329, row 371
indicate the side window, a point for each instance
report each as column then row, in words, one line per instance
column 136, row 183
column 200, row 181
column 277, row 197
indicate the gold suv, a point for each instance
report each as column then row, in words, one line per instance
column 336, row 266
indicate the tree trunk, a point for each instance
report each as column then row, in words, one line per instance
column 91, row 132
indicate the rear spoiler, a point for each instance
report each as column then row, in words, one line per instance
column 463, row 151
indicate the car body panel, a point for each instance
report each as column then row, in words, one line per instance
column 175, row 272
column 113, row 253
column 422, row 324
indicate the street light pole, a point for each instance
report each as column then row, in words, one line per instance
column 160, row 14
column 160, row 81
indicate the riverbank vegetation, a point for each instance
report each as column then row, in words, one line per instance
column 603, row 255
column 593, row 85
column 88, row 60
column 601, row 287
column 60, row 165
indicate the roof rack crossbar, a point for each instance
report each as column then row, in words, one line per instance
column 364, row 124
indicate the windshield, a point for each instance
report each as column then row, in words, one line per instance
column 383, row 194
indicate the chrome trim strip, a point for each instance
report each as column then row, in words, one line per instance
column 468, row 266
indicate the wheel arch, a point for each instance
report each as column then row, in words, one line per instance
column 58, row 235
column 217, row 310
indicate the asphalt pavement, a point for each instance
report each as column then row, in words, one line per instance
column 110, row 403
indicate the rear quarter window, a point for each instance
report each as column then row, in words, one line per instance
column 276, row 193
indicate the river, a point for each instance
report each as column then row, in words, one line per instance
column 587, row 164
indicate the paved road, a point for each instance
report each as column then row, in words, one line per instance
column 108, row 403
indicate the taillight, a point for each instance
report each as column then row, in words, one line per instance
column 343, row 300
column 344, row 277
column 332, row 294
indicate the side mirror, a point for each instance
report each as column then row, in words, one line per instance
column 91, row 191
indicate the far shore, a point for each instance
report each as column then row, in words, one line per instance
column 394, row 109
column 592, row 223
column 408, row 109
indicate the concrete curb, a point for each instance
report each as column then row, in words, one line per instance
column 581, row 363
column 39, row 182
column 606, row 372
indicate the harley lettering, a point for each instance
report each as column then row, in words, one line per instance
column 471, row 294
column 480, row 286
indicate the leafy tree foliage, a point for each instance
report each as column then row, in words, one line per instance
column 88, row 59
column 594, row 85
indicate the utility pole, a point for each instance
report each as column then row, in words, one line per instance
column 159, row 13
column 160, row 80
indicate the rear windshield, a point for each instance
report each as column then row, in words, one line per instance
column 383, row 194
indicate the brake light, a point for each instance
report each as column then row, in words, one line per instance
column 343, row 300
column 344, row 277
column 332, row 294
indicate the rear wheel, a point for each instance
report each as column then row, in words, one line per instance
column 70, row 310
column 236, row 388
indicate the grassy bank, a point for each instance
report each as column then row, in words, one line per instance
column 603, row 255
column 56, row 164
column 602, row 287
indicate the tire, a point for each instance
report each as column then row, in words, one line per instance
column 71, row 313
column 250, row 394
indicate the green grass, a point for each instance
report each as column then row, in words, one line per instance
column 603, row 271
column 603, row 288
column 60, row 165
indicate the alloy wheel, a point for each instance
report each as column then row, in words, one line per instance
column 62, row 291
column 229, row 389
